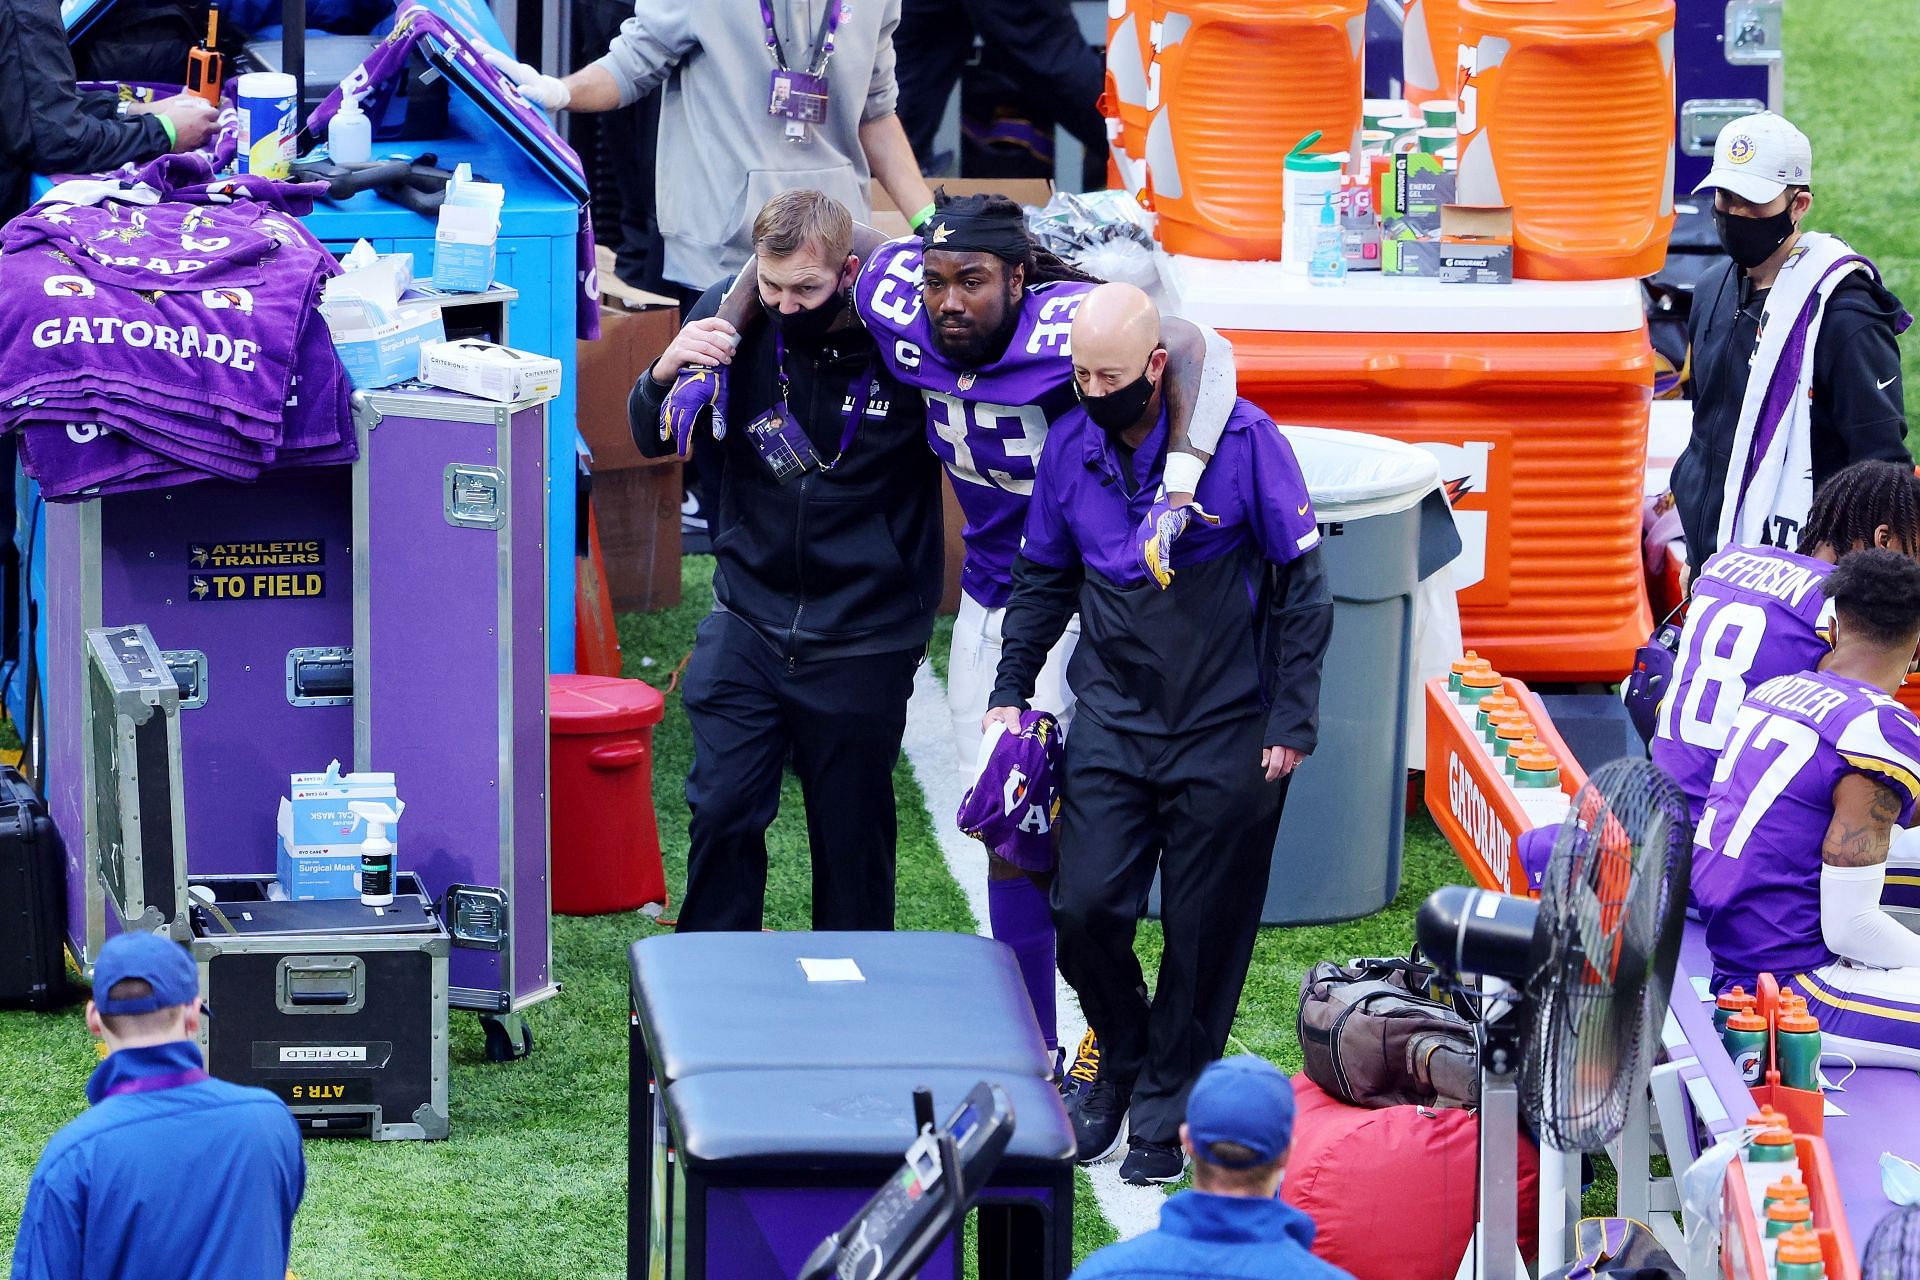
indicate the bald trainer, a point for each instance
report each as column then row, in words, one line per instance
column 1195, row 705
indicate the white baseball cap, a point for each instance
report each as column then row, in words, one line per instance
column 1757, row 157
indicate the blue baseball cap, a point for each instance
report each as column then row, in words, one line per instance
column 1245, row 1100
column 160, row 962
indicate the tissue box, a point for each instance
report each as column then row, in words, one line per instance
column 1415, row 192
column 316, row 812
column 381, row 354
column 327, row 871
column 1476, row 244
column 463, row 248
column 490, row 371
column 383, row 279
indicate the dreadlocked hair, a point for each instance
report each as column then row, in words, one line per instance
column 1893, row 1250
column 1041, row 265
column 1855, row 502
column 1877, row 592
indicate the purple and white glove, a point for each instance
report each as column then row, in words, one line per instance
column 1157, row 532
column 697, row 389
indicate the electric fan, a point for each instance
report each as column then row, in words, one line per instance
column 1583, row 977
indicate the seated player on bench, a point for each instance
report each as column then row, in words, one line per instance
column 1791, row 851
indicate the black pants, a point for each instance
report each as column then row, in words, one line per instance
column 1199, row 808
column 842, row 719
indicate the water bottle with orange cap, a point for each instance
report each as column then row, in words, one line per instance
column 1770, row 1157
column 1799, row 1256
column 1745, row 1037
column 1732, row 1001
column 1510, row 730
column 1797, row 1040
column 1484, row 709
column 1479, row 682
column 1461, row 665
column 1789, row 1187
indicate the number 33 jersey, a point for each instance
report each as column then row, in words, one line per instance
column 987, row 425
column 1756, row 613
column 1756, row 855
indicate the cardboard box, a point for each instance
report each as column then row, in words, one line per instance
column 638, row 512
column 1476, row 244
column 506, row 375
column 635, row 327
column 315, row 811
column 1415, row 191
column 318, row 873
column 1405, row 253
column 892, row 223
column 376, row 354
column 1359, row 226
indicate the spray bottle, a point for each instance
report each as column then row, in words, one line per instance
column 376, row 850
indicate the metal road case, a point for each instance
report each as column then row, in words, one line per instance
column 337, row 1007
column 135, row 849
column 450, row 670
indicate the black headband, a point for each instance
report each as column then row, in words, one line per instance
column 1004, row 235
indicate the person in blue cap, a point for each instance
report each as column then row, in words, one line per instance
column 171, row 1172
column 1238, row 1128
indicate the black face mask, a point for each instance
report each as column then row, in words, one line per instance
column 1118, row 410
column 809, row 325
column 1751, row 241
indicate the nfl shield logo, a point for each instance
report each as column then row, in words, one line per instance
column 966, row 381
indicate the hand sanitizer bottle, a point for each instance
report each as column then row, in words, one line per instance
column 1329, row 263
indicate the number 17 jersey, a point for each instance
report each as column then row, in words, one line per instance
column 987, row 425
column 1756, row 613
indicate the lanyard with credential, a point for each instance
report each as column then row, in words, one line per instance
column 779, row 438
column 152, row 1084
column 823, row 42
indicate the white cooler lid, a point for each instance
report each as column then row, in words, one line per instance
column 1351, row 476
column 1260, row 296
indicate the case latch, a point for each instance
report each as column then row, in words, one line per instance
column 475, row 496
column 320, row 677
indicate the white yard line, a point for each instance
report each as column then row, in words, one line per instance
column 929, row 748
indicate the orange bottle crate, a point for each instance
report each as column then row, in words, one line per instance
column 1566, row 113
column 1240, row 82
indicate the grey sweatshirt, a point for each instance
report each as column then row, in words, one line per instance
column 721, row 154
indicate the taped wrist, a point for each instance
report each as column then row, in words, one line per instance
column 1183, row 471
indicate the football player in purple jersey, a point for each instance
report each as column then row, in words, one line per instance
column 1757, row 613
column 1790, row 856
column 1196, row 704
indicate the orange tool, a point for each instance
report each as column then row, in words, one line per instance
column 206, row 69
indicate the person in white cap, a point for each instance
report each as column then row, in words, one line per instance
column 1796, row 369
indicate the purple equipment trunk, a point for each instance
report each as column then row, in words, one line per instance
column 450, row 663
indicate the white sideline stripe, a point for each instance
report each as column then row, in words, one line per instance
column 929, row 747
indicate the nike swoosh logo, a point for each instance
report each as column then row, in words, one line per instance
column 1302, row 509
column 1889, row 382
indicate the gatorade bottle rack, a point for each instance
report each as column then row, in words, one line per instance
column 1473, row 802
column 1742, row 1256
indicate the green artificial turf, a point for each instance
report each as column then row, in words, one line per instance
column 1852, row 79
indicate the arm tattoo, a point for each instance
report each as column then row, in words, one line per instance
column 1848, row 844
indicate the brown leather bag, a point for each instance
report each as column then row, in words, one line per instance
column 1386, row 1033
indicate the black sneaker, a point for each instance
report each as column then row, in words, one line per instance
column 1099, row 1115
column 1151, row 1162
column 1083, row 1070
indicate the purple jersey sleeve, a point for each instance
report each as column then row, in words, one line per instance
column 1274, row 492
column 1756, row 613
column 1049, row 537
column 1885, row 746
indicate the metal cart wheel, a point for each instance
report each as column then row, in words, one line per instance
column 509, row 1038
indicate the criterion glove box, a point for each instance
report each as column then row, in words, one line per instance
column 338, row 1008
column 490, row 371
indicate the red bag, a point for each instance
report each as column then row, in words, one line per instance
column 1342, row 1158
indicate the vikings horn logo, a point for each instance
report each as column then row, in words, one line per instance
column 68, row 287
column 125, row 235
column 228, row 299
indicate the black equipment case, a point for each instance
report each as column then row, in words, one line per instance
column 337, row 1007
column 33, row 900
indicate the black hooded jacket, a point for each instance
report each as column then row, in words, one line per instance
column 832, row 564
column 1858, row 410
column 46, row 124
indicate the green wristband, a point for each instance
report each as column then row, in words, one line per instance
column 173, row 137
column 921, row 218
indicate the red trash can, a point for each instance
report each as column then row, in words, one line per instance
column 606, row 846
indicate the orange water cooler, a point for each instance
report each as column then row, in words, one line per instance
column 1566, row 114
column 1128, row 105
column 1430, row 50
column 1534, row 396
column 1239, row 83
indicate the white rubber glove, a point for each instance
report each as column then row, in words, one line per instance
column 543, row 91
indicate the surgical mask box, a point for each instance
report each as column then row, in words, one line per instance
column 1414, row 193
column 490, row 371
column 376, row 351
column 316, row 812
column 465, row 235
column 1476, row 244
column 316, row 874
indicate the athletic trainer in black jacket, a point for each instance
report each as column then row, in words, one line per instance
column 825, row 583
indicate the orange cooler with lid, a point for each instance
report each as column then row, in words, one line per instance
column 1128, row 110
column 1239, row 83
column 1430, row 50
column 1566, row 113
column 1534, row 397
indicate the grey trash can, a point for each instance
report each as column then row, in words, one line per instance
column 1385, row 525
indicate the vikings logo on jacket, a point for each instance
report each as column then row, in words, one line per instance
column 1015, row 799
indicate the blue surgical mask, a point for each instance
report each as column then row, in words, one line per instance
column 1900, row 1179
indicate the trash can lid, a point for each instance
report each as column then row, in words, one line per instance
column 1351, row 475
column 601, row 704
